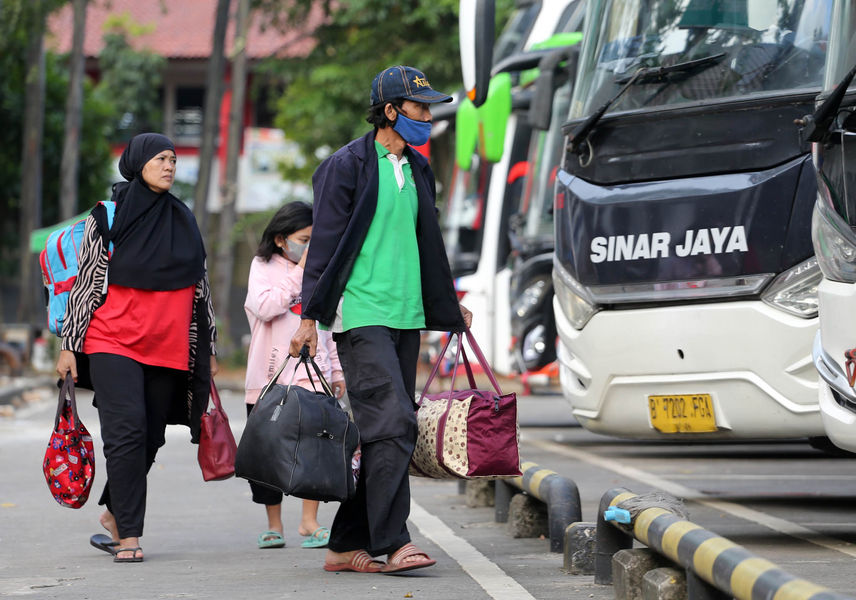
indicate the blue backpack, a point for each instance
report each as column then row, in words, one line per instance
column 59, row 266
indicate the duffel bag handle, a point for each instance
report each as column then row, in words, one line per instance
column 305, row 360
column 461, row 353
column 437, row 364
column 482, row 361
column 275, row 377
column 66, row 396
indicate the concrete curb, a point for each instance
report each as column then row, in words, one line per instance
column 715, row 561
column 560, row 494
column 580, row 548
column 20, row 385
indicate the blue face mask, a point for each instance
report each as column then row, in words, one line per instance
column 415, row 133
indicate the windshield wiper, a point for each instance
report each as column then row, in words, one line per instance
column 661, row 74
column 644, row 75
column 816, row 127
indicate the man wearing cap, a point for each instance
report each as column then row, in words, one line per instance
column 376, row 274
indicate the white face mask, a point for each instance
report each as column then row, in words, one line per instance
column 293, row 251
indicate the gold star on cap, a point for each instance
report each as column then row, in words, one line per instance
column 421, row 82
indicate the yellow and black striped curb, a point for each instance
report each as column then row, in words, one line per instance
column 720, row 562
column 560, row 494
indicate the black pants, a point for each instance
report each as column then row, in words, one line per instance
column 380, row 372
column 133, row 403
column 263, row 494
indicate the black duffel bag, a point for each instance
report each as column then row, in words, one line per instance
column 299, row 441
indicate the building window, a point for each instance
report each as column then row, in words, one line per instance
column 188, row 115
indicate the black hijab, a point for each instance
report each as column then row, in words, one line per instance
column 157, row 244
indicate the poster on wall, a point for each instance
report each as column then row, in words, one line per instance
column 260, row 184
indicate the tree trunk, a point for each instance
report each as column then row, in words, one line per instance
column 211, row 116
column 73, row 117
column 229, row 190
column 31, row 160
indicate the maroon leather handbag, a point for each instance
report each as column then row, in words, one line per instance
column 469, row 433
column 217, row 445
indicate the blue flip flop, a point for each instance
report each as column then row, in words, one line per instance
column 271, row 539
column 318, row 539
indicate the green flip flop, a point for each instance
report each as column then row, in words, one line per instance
column 318, row 539
column 271, row 539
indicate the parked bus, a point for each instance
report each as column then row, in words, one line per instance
column 533, row 324
column 491, row 139
column 686, row 286
column 832, row 127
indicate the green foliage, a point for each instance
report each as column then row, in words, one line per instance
column 183, row 191
column 18, row 18
column 11, row 19
column 11, row 136
column 95, row 152
column 237, row 359
column 130, row 79
column 327, row 93
column 250, row 226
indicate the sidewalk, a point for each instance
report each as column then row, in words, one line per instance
column 200, row 538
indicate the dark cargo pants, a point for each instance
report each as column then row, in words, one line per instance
column 379, row 364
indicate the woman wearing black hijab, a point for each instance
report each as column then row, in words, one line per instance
column 141, row 311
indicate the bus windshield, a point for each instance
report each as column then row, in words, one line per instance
column 545, row 154
column 755, row 47
column 842, row 45
column 516, row 30
column 464, row 215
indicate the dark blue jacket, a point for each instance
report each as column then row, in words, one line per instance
column 345, row 188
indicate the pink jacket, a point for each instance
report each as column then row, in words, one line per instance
column 273, row 289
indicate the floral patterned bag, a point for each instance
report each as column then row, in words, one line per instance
column 466, row 434
column 69, row 463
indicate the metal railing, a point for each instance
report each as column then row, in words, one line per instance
column 729, row 568
column 560, row 494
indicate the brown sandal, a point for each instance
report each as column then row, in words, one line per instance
column 361, row 562
column 396, row 563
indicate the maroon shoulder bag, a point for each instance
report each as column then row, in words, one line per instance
column 217, row 445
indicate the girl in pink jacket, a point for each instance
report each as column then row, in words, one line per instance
column 273, row 310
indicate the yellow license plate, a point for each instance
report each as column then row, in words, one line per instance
column 686, row 413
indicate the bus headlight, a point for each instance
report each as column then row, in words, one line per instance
column 530, row 298
column 834, row 244
column 795, row 290
column 572, row 297
column 534, row 345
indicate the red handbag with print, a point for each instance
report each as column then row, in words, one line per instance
column 69, row 463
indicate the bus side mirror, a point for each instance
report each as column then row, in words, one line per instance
column 817, row 127
column 476, row 25
column 541, row 106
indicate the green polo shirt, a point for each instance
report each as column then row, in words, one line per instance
column 385, row 286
